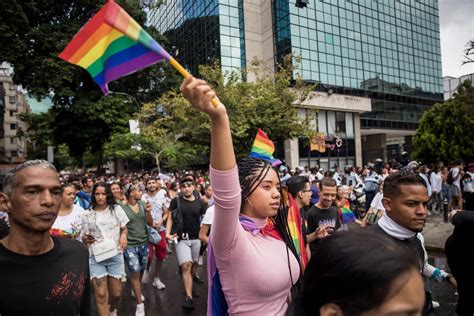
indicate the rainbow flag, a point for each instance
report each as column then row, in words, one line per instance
column 296, row 231
column 112, row 45
column 263, row 148
column 345, row 214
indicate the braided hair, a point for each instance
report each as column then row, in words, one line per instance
column 252, row 171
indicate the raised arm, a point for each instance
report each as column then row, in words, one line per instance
column 200, row 95
column 223, row 170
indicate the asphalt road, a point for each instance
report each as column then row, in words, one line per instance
column 168, row 302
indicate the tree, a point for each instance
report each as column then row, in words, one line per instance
column 446, row 131
column 166, row 152
column 267, row 103
column 469, row 52
column 33, row 33
column 39, row 135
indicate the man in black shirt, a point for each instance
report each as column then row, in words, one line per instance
column 191, row 209
column 322, row 218
column 460, row 258
column 40, row 274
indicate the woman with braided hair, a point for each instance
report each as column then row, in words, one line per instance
column 252, row 259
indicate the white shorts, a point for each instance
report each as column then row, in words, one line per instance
column 188, row 251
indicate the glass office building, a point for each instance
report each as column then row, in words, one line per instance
column 387, row 51
column 203, row 31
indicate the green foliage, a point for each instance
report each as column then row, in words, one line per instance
column 33, row 33
column 446, row 131
column 266, row 103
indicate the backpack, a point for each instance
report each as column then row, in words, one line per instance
column 177, row 216
column 450, row 179
column 371, row 183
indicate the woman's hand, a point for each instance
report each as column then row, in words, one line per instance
column 123, row 242
column 171, row 237
column 200, row 94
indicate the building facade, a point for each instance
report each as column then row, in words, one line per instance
column 452, row 83
column 379, row 52
column 12, row 103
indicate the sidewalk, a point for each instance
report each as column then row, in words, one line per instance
column 436, row 232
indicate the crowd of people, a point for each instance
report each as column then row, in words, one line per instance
column 65, row 237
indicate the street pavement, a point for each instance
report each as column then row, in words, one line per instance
column 436, row 232
column 169, row 302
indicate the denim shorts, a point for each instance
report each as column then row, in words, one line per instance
column 113, row 267
column 136, row 258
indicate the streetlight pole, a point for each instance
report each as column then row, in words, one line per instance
column 128, row 95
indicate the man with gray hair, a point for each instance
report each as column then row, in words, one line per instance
column 41, row 275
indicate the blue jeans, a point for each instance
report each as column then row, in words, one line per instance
column 136, row 258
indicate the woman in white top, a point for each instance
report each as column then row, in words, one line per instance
column 105, row 233
column 68, row 224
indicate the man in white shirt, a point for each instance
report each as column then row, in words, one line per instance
column 436, row 186
column 455, row 188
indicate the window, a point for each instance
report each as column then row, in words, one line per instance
column 13, row 126
column 340, row 122
column 12, row 99
column 12, row 113
column 13, row 140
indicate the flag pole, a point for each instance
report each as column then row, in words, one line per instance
column 186, row 75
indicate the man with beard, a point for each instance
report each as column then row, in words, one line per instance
column 188, row 209
column 405, row 199
column 40, row 274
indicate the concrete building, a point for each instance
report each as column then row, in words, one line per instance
column 377, row 64
column 452, row 83
column 12, row 103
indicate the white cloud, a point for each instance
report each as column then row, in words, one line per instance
column 457, row 28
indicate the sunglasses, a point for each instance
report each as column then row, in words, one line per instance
column 186, row 185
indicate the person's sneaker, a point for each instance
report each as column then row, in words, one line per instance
column 158, row 284
column 198, row 279
column 435, row 304
column 200, row 261
column 188, row 304
column 168, row 249
column 133, row 295
column 146, row 277
column 140, row 311
column 113, row 313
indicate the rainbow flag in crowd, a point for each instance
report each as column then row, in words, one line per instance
column 296, row 231
column 112, row 45
column 345, row 214
column 263, row 148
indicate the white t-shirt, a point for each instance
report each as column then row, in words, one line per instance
column 158, row 201
column 105, row 224
column 456, row 182
column 209, row 216
column 70, row 225
column 436, row 181
column 377, row 202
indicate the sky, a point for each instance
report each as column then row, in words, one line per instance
column 456, row 28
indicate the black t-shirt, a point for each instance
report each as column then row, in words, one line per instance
column 192, row 212
column 460, row 260
column 53, row 283
column 316, row 217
